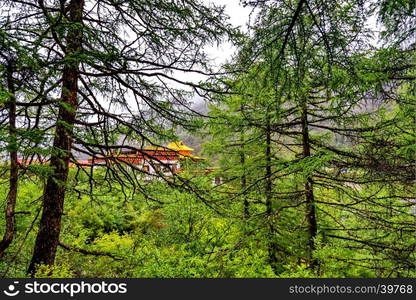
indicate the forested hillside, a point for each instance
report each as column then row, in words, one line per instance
column 127, row 152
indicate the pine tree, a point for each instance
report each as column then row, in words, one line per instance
column 119, row 68
column 315, row 56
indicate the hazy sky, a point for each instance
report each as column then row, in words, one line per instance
column 239, row 16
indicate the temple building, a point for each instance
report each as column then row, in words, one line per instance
column 153, row 160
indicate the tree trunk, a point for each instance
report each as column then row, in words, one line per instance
column 268, row 175
column 273, row 247
column 13, row 181
column 244, row 176
column 244, row 184
column 47, row 239
column 310, row 201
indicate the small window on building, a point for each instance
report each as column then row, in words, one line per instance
column 217, row 180
column 128, row 152
column 146, row 168
column 157, row 168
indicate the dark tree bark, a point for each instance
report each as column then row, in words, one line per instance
column 273, row 247
column 244, row 176
column 244, row 183
column 47, row 239
column 268, row 175
column 310, row 201
column 14, row 168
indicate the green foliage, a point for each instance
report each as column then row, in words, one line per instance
column 55, row 271
column 185, row 238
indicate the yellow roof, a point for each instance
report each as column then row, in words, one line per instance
column 179, row 146
column 175, row 146
column 154, row 148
